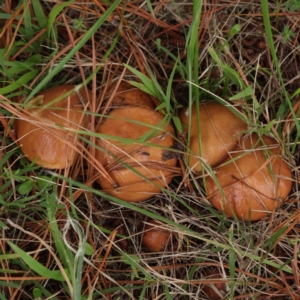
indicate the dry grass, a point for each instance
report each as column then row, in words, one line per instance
column 51, row 217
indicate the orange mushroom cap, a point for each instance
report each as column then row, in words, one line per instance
column 156, row 238
column 44, row 132
column 127, row 94
column 128, row 164
column 219, row 132
column 254, row 184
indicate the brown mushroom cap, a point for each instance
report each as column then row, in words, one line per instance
column 253, row 185
column 156, row 238
column 127, row 94
column 220, row 129
column 155, row 162
column 217, row 290
column 44, row 132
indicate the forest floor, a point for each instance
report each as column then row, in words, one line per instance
column 62, row 236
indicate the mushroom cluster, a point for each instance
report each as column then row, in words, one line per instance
column 47, row 132
column 135, row 145
column 251, row 177
column 135, row 148
column 254, row 179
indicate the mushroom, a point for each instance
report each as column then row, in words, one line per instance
column 219, row 132
column 47, row 133
column 155, row 237
column 142, row 165
column 217, row 289
column 126, row 94
column 255, row 179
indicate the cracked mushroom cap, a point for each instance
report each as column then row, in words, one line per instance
column 46, row 132
column 139, row 171
column 253, row 185
column 127, row 94
column 220, row 130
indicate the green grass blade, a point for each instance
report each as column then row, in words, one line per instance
column 231, row 262
column 43, row 290
column 167, row 291
column 230, row 73
column 23, row 80
column 28, row 22
column 39, row 13
column 72, row 52
column 274, row 238
column 142, row 294
column 169, row 89
column 150, row 8
column 181, row 67
column 246, row 93
column 64, row 253
column 148, row 85
column 56, row 10
column 10, row 284
column 35, row 265
column 2, row 297
column 288, row 105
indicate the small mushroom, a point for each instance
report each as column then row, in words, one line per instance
column 136, row 152
column 47, row 133
column 155, row 237
column 255, row 179
column 127, row 94
column 216, row 290
column 219, row 128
